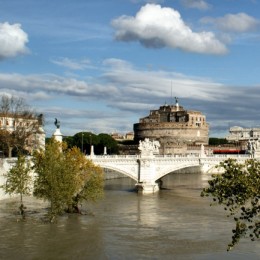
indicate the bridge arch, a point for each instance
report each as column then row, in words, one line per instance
column 148, row 169
column 173, row 168
column 119, row 171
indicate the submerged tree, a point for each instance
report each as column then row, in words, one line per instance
column 19, row 180
column 88, row 179
column 65, row 177
column 238, row 189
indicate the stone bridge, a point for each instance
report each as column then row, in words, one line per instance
column 148, row 170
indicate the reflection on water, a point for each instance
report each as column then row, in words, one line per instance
column 175, row 223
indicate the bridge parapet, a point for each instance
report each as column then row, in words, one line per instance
column 146, row 170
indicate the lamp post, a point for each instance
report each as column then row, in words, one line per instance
column 82, row 141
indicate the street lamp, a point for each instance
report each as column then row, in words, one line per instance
column 82, row 141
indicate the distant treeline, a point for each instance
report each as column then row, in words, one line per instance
column 217, row 141
column 84, row 140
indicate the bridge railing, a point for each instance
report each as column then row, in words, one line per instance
column 138, row 156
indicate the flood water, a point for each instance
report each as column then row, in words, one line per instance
column 175, row 223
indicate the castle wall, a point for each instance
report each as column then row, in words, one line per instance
column 172, row 132
column 174, row 127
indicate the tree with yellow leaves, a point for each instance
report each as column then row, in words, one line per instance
column 65, row 178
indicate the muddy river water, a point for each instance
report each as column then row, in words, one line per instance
column 175, row 223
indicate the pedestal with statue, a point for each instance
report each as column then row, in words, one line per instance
column 57, row 135
column 147, row 167
column 253, row 148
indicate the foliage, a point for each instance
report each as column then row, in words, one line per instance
column 238, row 189
column 84, row 140
column 107, row 141
column 26, row 124
column 19, row 180
column 65, row 177
column 217, row 141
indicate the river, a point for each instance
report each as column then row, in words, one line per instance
column 175, row 223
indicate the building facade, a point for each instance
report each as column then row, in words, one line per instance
column 30, row 127
column 174, row 127
column 237, row 133
column 242, row 136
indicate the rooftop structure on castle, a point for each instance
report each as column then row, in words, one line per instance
column 173, row 126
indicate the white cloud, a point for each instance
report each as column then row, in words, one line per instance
column 73, row 64
column 119, row 85
column 156, row 27
column 197, row 4
column 148, row 1
column 239, row 22
column 123, row 93
column 12, row 40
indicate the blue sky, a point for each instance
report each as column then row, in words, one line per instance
column 100, row 65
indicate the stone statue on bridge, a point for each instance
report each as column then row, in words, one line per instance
column 57, row 134
column 253, row 147
column 149, row 148
column 57, row 123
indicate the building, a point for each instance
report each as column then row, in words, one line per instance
column 174, row 127
column 241, row 136
column 123, row 137
column 29, row 128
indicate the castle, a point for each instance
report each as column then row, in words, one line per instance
column 174, row 127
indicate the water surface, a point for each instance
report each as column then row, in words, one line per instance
column 175, row 223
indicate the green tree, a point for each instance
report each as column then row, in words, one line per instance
column 106, row 140
column 238, row 189
column 217, row 141
column 63, row 175
column 19, row 180
column 84, row 141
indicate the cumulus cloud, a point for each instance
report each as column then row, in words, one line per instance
column 239, row 22
column 156, row 27
column 197, row 4
column 13, row 40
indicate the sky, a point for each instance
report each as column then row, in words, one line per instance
column 100, row 65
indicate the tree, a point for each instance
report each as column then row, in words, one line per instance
column 19, row 180
column 88, row 179
column 217, row 141
column 84, row 140
column 106, row 140
column 238, row 189
column 65, row 178
column 19, row 125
